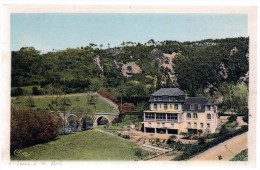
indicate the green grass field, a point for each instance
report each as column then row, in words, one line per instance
column 87, row 145
column 79, row 103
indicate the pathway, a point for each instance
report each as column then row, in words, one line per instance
column 111, row 103
column 226, row 150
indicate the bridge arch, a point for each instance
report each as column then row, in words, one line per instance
column 72, row 119
column 86, row 122
column 102, row 120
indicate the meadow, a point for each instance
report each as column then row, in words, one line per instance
column 78, row 103
column 88, row 145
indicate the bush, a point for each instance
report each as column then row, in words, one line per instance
column 140, row 153
column 179, row 146
column 126, row 107
column 30, row 128
column 232, row 118
column 36, row 91
column 196, row 149
column 242, row 156
column 110, row 95
column 17, row 91
column 125, row 136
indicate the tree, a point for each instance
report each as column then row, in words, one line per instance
column 31, row 127
column 30, row 102
column 35, row 90
column 235, row 97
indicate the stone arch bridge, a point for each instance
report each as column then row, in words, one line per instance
column 95, row 118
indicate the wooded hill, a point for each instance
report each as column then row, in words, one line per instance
column 217, row 69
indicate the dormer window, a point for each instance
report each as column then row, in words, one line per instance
column 199, row 106
column 171, row 98
column 192, row 107
column 155, row 98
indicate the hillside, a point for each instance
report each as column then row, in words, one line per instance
column 210, row 68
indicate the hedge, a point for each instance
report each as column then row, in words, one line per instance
column 196, row 149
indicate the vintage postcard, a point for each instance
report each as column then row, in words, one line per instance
column 163, row 85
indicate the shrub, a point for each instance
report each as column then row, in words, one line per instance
column 17, row 91
column 125, row 136
column 126, row 107
column 36, row 91
column 110, row 95
column 179, row 146
column 232, row 118
column 140, row 153
column 30, row 128
column 242, row 156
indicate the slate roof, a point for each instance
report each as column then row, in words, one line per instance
column 168, row 92
column 196, row 100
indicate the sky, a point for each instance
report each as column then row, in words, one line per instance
column 50, row 31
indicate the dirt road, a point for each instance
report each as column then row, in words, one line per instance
column 224, row 151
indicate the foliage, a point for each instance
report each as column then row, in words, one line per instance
column 30, row 102
column 235, row 97
column 140, row 153
column 242, row 156
column 36, row 91
column 125, row 136
column 30, row 128
column 228, row 127
column 179, row 146
column 196, row 149
column 126, row 107
column 89, row 145
column 232, row 118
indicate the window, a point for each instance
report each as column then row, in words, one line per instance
column 195, row 115
column 188, row 115
column 172, row 117
column 149, row 116
column 160, row 116
column 155, row 106
column 195, row 125
column 155, row 98
column 208, row 125
column 163, row 124
column 208, row 116
column 199, row 106
column 175, row 106
column 170, row 98
column 201, row 125
column 188, row 124
column 165, row 106
column 192, row 107
column 160, row 97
